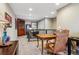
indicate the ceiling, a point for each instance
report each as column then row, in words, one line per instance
column 39, row 10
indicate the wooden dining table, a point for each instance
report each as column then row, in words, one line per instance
column 43, row 37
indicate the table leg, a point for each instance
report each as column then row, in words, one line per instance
column 69, row 46
column 37, row 42
column 47, row 42
column 42, row 48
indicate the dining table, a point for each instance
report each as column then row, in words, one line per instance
column 43, row 37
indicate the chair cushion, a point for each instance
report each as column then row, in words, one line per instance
column 51, row 41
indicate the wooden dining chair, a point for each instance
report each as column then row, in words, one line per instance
column 60, row 42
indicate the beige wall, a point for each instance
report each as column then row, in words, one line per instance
column 68, row 17
column 47, row 23
column 34, row 25
column 41, row 24
column 50, row 23
column 27, row 22
column 11, row 31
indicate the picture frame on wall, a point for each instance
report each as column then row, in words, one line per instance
column 9, row 19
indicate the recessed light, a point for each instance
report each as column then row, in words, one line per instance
column 57, row 3
column 30, row 9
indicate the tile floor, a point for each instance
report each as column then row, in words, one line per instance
column 29, row 48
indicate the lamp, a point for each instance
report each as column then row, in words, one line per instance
column 3, row 22
column 3, row 26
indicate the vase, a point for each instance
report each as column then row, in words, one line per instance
column 4, row 37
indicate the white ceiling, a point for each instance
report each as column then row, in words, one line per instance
column 40, row 10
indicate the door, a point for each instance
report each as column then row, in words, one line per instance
column 20, row 27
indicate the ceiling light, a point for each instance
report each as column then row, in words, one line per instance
column 57, row 3
column 30, row 9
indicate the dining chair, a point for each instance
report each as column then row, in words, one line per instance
column 74, row 43
column 60, row 42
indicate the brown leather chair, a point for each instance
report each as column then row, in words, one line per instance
column 60, row 42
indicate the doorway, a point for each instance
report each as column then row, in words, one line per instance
column 21, row 27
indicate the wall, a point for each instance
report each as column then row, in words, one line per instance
column 34, row 25
column 41, row 24
column 47, row 23
column 68, row 17
column 50, row 23
column 11, row 31
column 27, row 22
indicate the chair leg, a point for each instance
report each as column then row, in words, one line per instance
column 28, row 38
column 37, row 42
column 50, row 53
column 47, row 42
column 42, row 47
